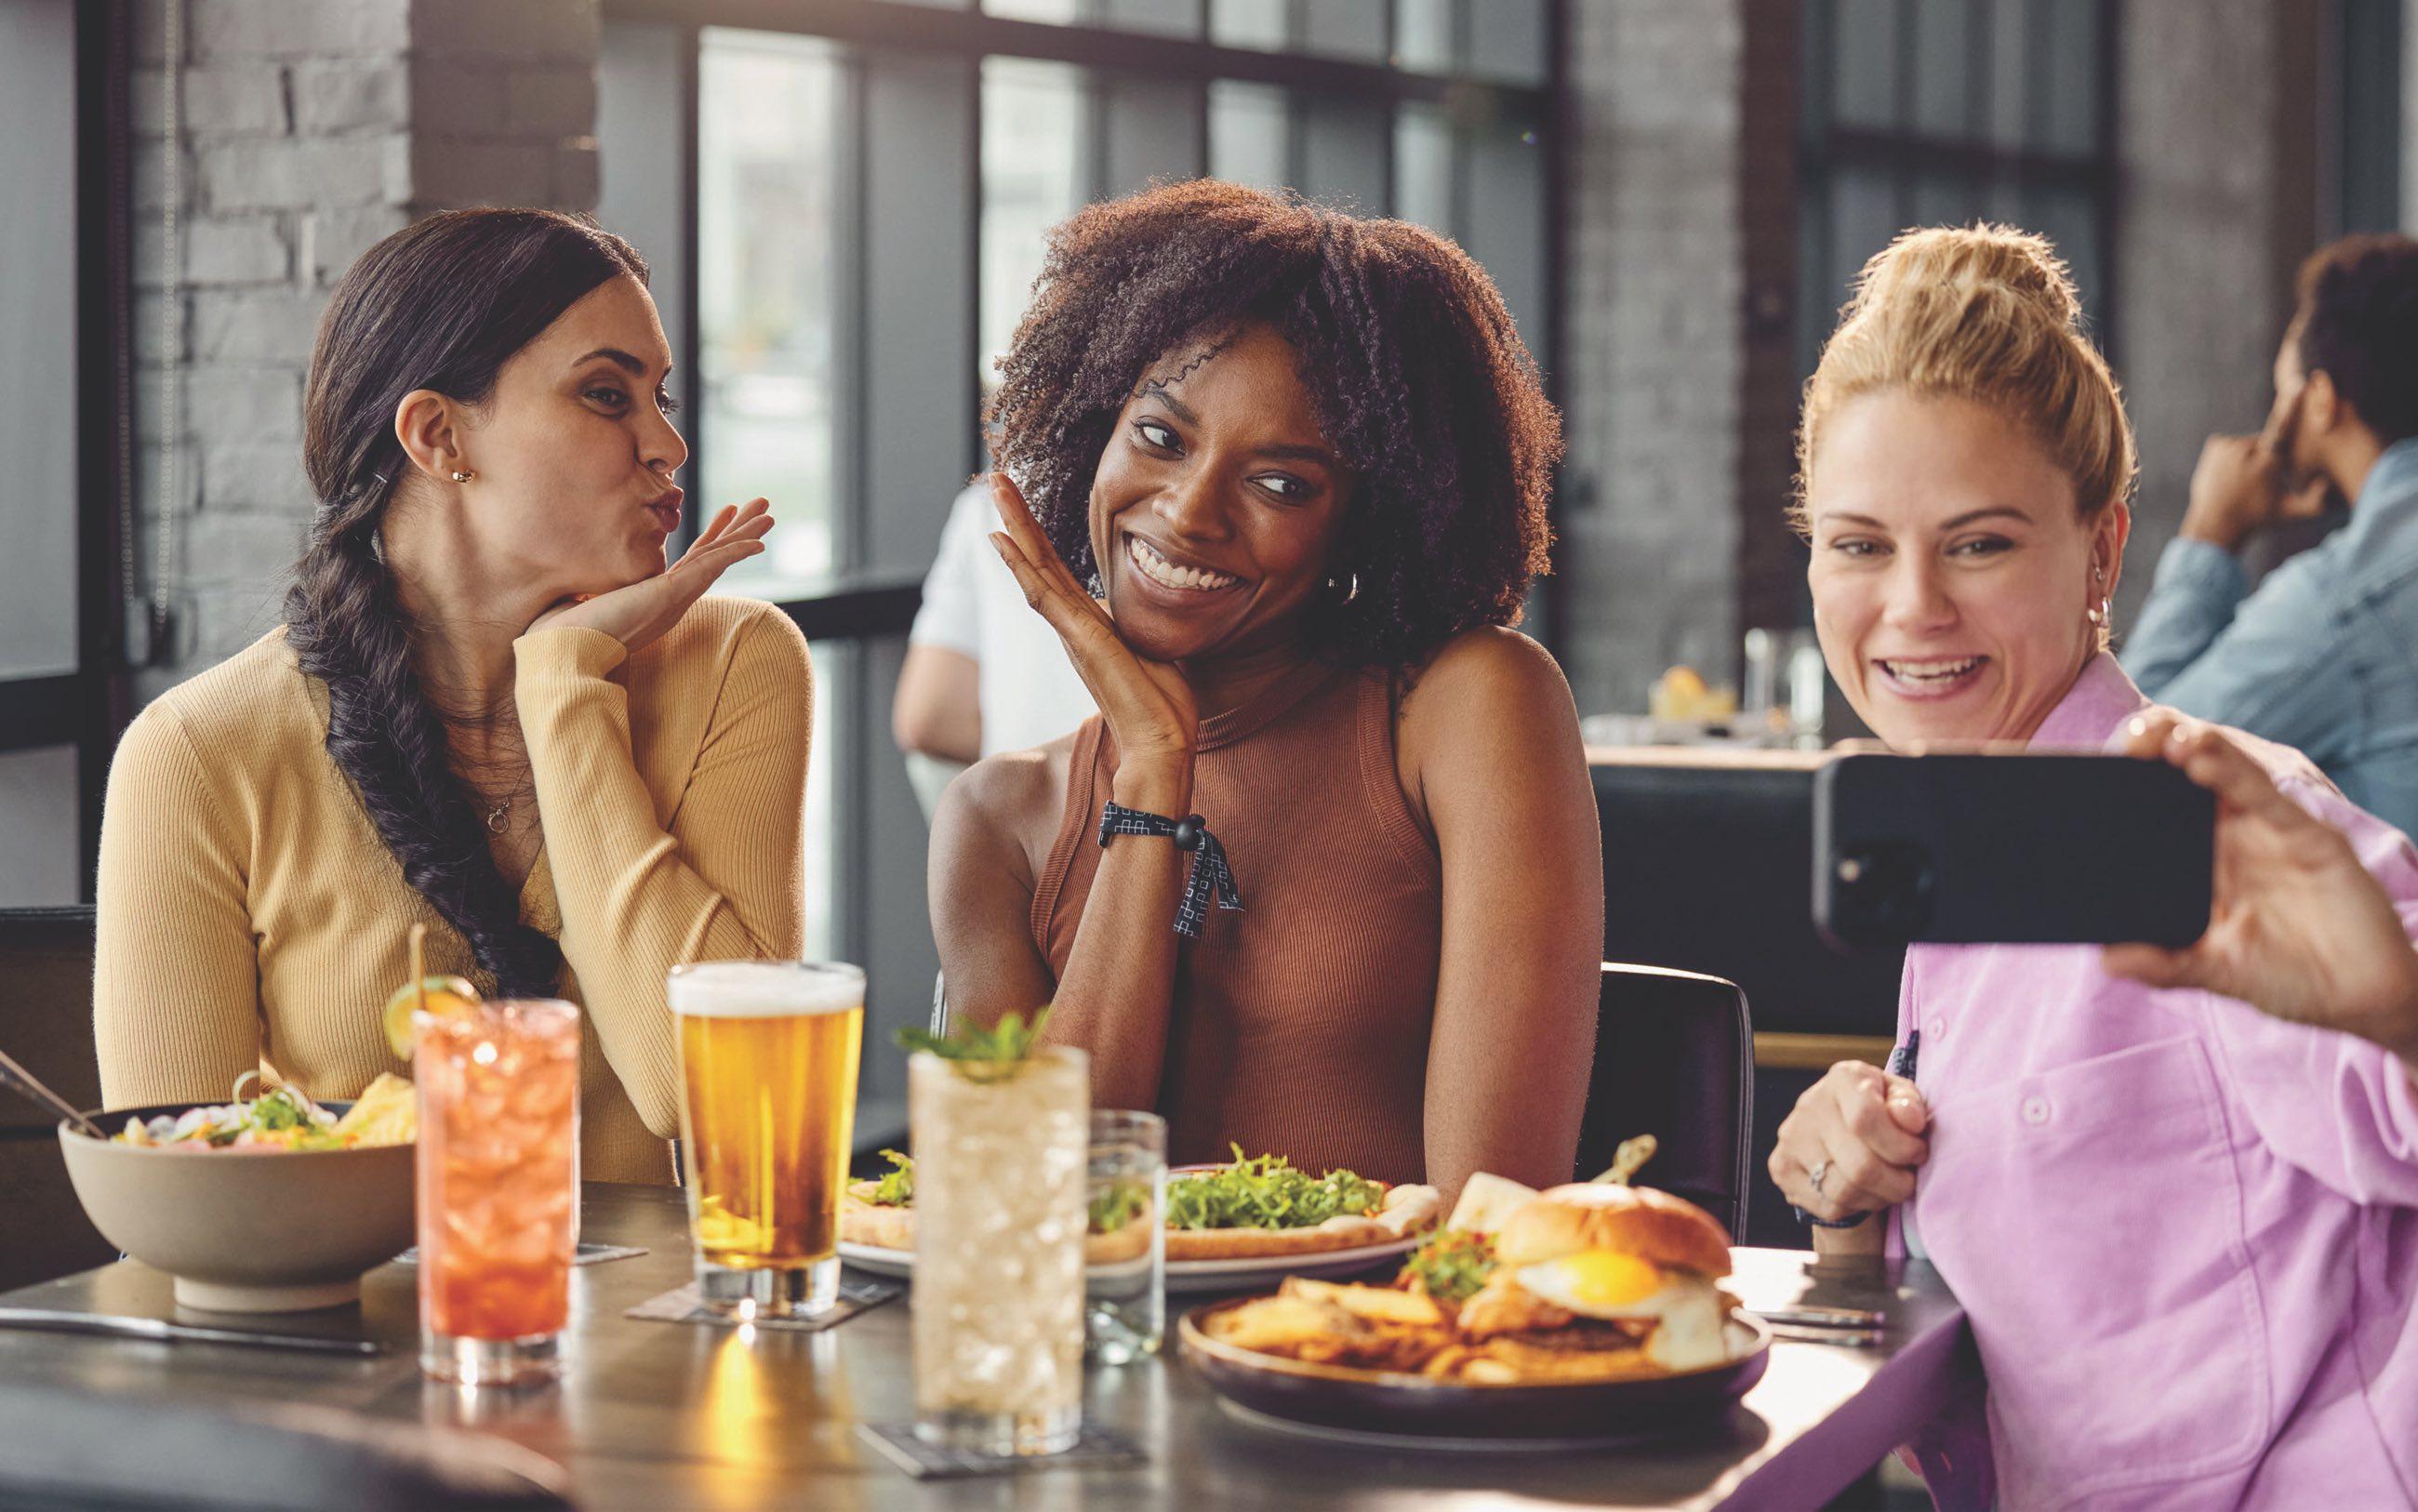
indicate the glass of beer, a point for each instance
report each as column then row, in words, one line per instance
column 768, row 1105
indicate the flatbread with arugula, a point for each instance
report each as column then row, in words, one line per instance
column 1255, row 1207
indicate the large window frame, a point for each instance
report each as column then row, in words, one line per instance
column 892, row 489
column 1907, row 153
column 85, row 708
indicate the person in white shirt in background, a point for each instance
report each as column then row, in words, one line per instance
column 983, row 673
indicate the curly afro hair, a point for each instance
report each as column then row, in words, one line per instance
column 1423, row 389
column 2359, row 323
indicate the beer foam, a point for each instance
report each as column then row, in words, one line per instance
column 764, row 989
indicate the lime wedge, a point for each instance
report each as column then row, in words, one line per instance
column 445, row 994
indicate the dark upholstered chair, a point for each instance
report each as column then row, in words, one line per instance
column 1708, row 866
column 1673, row 1058
column 46, row 1023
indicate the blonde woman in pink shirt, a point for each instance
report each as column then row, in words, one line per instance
column 2176, row 1192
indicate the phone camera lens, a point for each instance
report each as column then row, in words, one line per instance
column 1886, row 889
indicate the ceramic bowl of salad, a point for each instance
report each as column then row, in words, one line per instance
column 267, row 1203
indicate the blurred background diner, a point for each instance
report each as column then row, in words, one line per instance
column 843, row 201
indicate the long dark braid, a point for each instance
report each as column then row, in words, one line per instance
column 441, row 304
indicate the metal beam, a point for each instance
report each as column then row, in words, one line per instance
column 42, row 711
column 858, row 613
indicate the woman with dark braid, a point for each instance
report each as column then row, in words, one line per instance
column 1276, row 475
column 492, row 709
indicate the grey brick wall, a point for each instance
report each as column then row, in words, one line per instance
column 311, row 129
column 1654, row 344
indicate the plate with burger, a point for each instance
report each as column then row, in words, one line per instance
column 1586, row 1311
column 1249, row 1223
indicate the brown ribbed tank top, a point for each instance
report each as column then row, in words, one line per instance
column 1299, row 1026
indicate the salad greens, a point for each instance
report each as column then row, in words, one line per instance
column 1453, row 1266
column 1119, row 1205
column 896, row 1189
column 981, row 1054
column 1265, row 1192
column 280, row 1117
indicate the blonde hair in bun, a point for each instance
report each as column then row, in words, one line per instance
column 1986, row 313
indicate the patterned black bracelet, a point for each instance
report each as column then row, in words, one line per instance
column 1804, row 1216
column 1210, row 876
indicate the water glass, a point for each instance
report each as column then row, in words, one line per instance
column 998, row 1302
column 1124, row 1275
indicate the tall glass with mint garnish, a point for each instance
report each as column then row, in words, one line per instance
column 1000, row 1132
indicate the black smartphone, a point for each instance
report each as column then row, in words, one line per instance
column 2011, row 849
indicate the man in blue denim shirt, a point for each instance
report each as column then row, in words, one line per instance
column 2324, row 656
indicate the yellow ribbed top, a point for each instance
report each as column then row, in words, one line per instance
column 248, row 910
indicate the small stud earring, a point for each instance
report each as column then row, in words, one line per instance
column 463, row 477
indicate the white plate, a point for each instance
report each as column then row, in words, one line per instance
column 1191, row 1277
column 1186, row 1278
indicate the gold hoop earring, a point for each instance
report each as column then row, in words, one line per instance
column 463, row 477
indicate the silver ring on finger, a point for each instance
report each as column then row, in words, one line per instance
column 1821, row 1168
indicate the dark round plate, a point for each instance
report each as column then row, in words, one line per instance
column 1389, row 1403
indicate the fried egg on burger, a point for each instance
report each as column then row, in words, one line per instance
column 1630, row 1256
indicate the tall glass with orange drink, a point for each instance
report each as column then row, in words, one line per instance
column 499, row 1193
column 768, row 1104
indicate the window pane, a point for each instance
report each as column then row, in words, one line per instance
column 1160, row 18
column 1259, row 24
column 37, row 310
column 1503, row 220
column 1423, row 154
column 1032, row 179
column 1251, row 135
column 1946, row 200
column 1863, row 218
column 1943, row 85
column 1423, row 34
column 2069, row 217
column 1058, row 11
column 2065, row 96
column 768, row 242
column 1345, row 145
column 835, row 663
column 1344, row 29
column 40, row 815
column 1510, row 44
column 2009, row 28
column 1863, row 61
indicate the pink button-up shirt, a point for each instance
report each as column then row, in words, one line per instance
column 2186, row 1233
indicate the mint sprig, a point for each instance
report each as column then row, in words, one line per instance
column 980, row 1053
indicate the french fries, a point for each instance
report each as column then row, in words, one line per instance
column 1385, row 1328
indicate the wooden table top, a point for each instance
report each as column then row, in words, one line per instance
column 656, row 1414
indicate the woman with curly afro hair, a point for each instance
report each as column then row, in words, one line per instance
column 1276, row 476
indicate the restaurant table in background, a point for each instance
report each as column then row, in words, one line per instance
column 655, row 1415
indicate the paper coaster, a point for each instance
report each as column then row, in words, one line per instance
column 682, row 1305
column 586, row 1254
column 1098, row 1449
